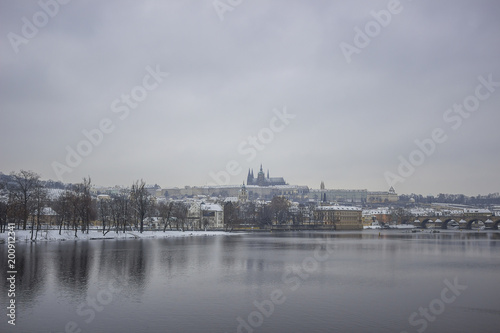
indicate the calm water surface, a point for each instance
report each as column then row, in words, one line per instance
column 260, row 282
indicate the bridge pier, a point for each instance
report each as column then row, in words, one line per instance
column 464, row 222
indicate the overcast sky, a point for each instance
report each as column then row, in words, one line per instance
column 293, row 85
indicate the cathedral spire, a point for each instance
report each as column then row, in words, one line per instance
column 250, row 177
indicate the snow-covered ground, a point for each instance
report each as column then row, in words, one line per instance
column 403, row 226
column 397, row 226
column 53, row 235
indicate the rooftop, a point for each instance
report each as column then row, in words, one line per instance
column 338, row 208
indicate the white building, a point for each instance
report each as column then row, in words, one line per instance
column 213, row 215
column 201, row 215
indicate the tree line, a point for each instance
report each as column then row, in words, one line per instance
column 277, row 211
column 30, row 204
column 26, row 202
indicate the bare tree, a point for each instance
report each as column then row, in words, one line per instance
column 115, row 211
column 121, row 211
column 265, row 215
column 248, row 212
column 401, row 215
column 63, row 207
column 15, row 212
column 39, row 203
column 23, row 190
column 165, row 211
column 141, row 200
column 180, row 211
column 84, row 203
column 74, row 211
column 230, row 214
column 298, row 214
column 4, row 208
column 82, row 209
column 279, row 207
column 104, row 212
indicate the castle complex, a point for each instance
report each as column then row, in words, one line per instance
column 262, row 180
column 264, row 187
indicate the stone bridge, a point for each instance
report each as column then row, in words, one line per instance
column 466, row 221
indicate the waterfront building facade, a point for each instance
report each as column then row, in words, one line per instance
column 341, row 217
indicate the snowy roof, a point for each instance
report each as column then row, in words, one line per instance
column 338, row 190
column 338, row 208
column 286, row 187
column 212, row 207
column 375, row 211
column 476, row 210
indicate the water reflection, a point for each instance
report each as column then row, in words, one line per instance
column 32, row 272
column 203, row 283
column 72, row 266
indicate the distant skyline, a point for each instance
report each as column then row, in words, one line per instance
column 356, row 94
column 311, row 187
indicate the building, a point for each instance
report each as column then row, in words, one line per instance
column 382, row 197
column 262, row 180
column 341, row 217
column 103, row 197
column 381, row 215
column 254, row 192
column 243, row 195
column 213, row 215
column 202, row 215
column 338, row 195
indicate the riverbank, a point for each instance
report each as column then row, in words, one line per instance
column 397, row 226
column 69, row 235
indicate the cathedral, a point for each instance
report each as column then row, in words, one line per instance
column 263, row 180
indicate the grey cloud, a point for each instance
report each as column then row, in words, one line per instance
column 353, row 120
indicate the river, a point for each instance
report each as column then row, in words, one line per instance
column 260, row 282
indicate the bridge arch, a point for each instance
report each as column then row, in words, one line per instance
column 471, row 221
column 424, row 222
column 444, row 223
column 496, row 224
column 469, row 224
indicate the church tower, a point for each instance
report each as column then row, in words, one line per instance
column 243, row 195
column 250, row 177
column 261, row 180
